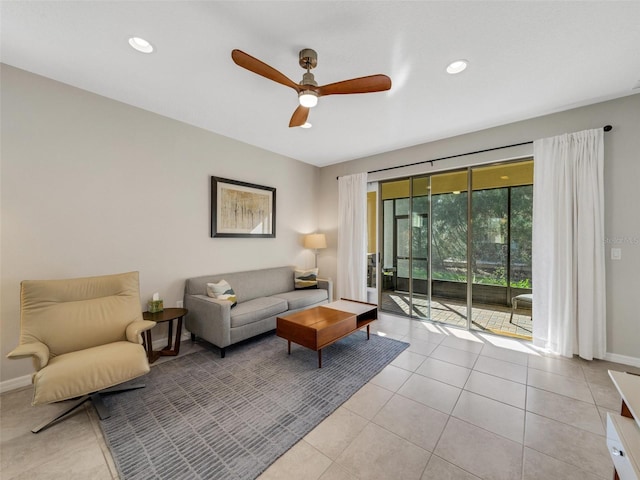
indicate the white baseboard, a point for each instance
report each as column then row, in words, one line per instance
column 15, row 383
column 25, row 381
column 160, row 343
column 624, row 359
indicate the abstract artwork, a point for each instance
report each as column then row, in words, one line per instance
column 240, row 209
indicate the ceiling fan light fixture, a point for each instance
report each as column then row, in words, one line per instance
column 308, row 90
column 306, row 125
column 308, row 98
column 457, row 67
column 140, row 44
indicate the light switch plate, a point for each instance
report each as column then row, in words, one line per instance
column 616, row 254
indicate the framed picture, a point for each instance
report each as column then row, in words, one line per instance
column 240, row 209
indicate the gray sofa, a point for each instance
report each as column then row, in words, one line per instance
column 262, row 296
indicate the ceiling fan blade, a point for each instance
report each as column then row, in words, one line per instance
column 372, row 83
column 258, row 67
column 299, row 117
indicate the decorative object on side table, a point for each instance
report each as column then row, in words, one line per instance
column 240, row 209
column 166, row 315
column 155, row 305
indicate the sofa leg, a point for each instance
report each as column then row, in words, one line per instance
column 222, row 352
column 193, row 337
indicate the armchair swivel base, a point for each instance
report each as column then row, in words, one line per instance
column 95, row 399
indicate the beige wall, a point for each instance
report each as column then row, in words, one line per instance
column 622, row 194
column 91, row 186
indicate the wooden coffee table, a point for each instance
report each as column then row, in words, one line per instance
column 319, row 327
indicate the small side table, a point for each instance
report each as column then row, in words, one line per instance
column 167, row 315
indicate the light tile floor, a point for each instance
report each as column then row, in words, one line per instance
column 454, row 405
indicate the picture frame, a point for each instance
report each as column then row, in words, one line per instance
column 242, row 210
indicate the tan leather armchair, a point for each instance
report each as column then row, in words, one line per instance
column 84, row 336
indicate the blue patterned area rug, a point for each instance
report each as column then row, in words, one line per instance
column 203, row 417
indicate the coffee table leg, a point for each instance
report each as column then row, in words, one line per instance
column 289, row 347
column 367, row 332
column 320, row 358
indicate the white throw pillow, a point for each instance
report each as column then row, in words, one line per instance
column 222, row 291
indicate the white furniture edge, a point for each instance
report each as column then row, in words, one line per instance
column 624, row 446
column 628, row 386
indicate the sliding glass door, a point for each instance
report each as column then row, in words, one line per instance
column 456, row 246
column 395, row 249
column 502, row 207
column 419, row 252
column 449, row 206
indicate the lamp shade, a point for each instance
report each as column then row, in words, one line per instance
column 315, row 240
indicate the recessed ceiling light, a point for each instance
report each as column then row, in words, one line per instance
column 306, row 125
column 141, row 45
column 456, row 192
column 457, row 66
column 504, row 177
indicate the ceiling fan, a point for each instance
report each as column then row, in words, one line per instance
column 308, row 89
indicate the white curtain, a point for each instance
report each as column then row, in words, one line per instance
column 352, row 237
column 568, row 245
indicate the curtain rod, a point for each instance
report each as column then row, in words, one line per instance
column 606, row 128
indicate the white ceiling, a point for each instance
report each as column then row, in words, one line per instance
column 526, row 59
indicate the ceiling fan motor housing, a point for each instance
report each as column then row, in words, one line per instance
column 308, row 79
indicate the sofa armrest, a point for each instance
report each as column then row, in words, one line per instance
column 38, row 350
column 209, row 318
column 327, row 284
column 134, row 329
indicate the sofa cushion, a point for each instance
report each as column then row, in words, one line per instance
column 257, row 309
column 303, row 298
column 86, row 371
